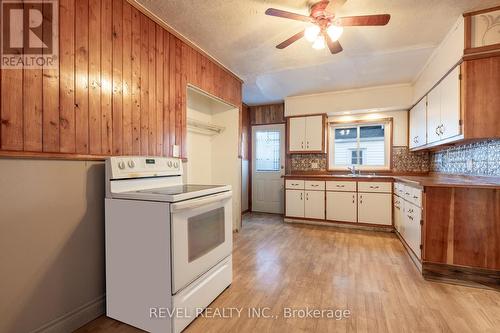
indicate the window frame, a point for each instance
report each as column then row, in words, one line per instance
column 388, row 138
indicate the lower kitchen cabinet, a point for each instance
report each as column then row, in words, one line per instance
column 398, row 213
column 375, row 208
column 411, row 230
column 341, row 206
column 314, row 206
column 294, row 203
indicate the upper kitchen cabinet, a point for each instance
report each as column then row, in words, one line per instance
column 443, row 109
column 306, row 134
column 418, row 120
column 481, row 98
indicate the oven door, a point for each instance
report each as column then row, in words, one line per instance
column 201, row 232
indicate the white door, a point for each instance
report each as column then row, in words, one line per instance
column 314, row 133
column 341, row 206
column 294, row 203
column 450, row 104
column 375, row 208
column 297, row 134
column 314, row 206
column 268, row 167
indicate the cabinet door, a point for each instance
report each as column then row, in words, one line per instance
column 434, row 114
column 315, row 205
column 341, row 206
column 375, row 208
column 418, row 126
column 397, row 211
column 297, row 134
column 294, row 203
column 450, row 105
column 314, row 133
column 412, row 231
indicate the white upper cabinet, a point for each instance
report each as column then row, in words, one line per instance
column 297, row 130
column 442, row 119
column 314, row 133
column 450, row 105
column 418, row 121
column 306, row 134
column 433, row 114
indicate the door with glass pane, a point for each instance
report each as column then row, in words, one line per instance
column 268, row 167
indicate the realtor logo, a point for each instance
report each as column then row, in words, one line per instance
column 29, row 34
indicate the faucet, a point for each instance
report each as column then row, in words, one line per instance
column 352, row 168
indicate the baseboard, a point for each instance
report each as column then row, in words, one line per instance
column 461, row 275
column 410, row 252
column 76, row 318
column 341, row 225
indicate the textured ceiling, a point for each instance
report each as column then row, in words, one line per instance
column 239, row 35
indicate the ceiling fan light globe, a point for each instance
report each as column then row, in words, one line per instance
column 319, row 43
column 311, row 33
column 334, row 32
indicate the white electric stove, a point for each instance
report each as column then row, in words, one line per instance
column 168, row 244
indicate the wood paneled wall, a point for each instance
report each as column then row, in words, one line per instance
column 120, row 87
column 267, row 114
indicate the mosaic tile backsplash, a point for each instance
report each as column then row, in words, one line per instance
column 403, row 161
column 479, row 158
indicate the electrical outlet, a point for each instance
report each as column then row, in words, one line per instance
column 314, row 165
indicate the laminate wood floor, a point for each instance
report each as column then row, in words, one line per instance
column 278, row 266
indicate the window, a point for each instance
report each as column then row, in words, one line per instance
column 366, row 145
column 267, row 151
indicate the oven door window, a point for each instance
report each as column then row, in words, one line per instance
column 205, row 233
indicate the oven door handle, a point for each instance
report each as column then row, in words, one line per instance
column 200, row 202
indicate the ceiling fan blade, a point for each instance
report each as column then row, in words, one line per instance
column 290, row 40
column 334, row 5
column 334, row 47
column 288, row 15
column 366, row 20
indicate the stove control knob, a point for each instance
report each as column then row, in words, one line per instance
column 121, row 165
column 131, row 163
column 169, row 163
column 176, row 165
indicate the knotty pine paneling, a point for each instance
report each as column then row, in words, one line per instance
column 120, row 88
column 267, row 114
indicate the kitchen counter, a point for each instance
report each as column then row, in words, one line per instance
column 429, row 180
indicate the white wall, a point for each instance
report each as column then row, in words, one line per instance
column 199, row 149
column 446, row 55
column 245, row 172
column 213, row 159
column 381, row 98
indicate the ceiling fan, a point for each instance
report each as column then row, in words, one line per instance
column 326, row 27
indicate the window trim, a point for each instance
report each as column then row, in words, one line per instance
column 388, row 144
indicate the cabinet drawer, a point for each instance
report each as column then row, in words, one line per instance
column 374, row 187
column 400, row 189
column 314, row 185
column 294, row 184
column 415, row 196
column 341, row 186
